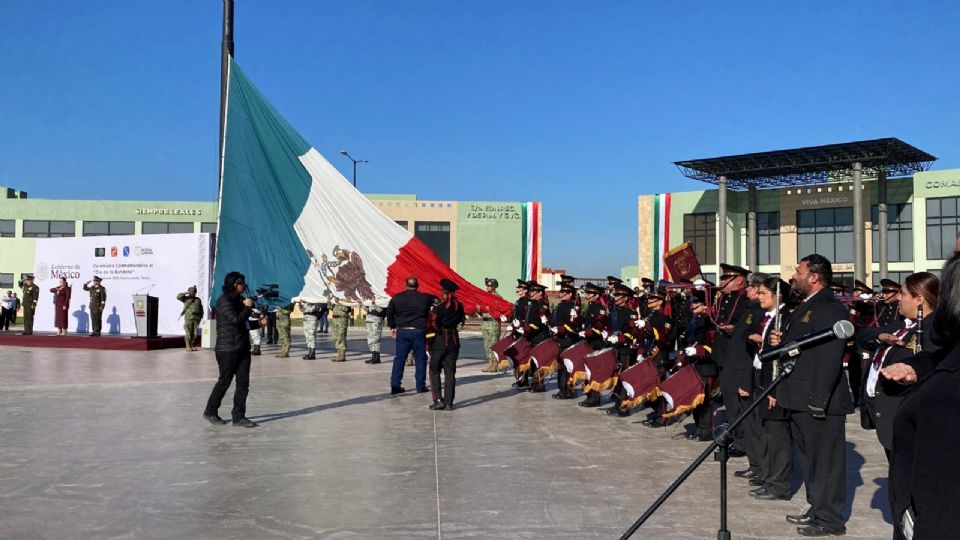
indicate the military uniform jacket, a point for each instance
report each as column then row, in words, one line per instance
column 595, row 322
column 519, row 315
column 566, row 321
column 889, row 394
column 817, row 379
column 738, row 364
column 888, row 313
column 31, row 293
column 656, row 336
column 699, row 334
column 535, row 327
column 192, row 307
column 98, row 297
column 442, row 324
column 624, row 326
column 731, row 308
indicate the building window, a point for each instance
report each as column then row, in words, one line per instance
column 768, row 237
column 48, row 229
column 8, row 228
column 6, row 282
column 107, row 228
column 827, row 232
column 208, row 226
column 896, row 276
column 701, row 231
column 845, row 279
column 942, row 229
column 899, row 232
column 436, row 235
column 166, row 227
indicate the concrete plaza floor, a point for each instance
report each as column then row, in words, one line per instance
column 105, row 444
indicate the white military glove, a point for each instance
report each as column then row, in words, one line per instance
column 553, row 329
column 573, row 313
column 582, row 333
column 503, row 318
column 543, row 319
column 690, row 351
column 604, row 334
column 613, row 339
column 641, row 323
column 516, row 323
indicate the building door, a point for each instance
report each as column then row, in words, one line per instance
column 436, row 235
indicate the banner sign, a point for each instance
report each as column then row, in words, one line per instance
column 161, row 265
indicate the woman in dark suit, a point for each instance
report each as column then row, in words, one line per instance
column 61, row 312
column 893, row 344
column 925, row 464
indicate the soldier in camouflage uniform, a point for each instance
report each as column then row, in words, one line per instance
column 375, row 317
column 192, row 313
column 31, row 293
column 341, row 314
column 98, row 300
column 310, row 312
column 490, row 329
column 283, row 329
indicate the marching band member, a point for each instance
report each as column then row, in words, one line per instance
column 697, row 340
column 535, row 329
column 565, row 326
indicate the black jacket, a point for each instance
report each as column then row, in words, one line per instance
column 737, row 367
column 233, row 323
column 924, row 465
column 818, row 379
column 889, row 395
column 409, row 309
column 731, row 309
column 767, row 368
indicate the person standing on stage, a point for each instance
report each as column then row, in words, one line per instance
column 817, row 399
column 31, row 293
column 233, row 350
column 407, row 315
column 98, row 301
column 489, row 328
column 443, row 339
column 9, row 304
column 192, row 313
column 61, row 300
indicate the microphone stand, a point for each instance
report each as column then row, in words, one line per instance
column 721, row 443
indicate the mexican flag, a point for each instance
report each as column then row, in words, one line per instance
column 287, row 216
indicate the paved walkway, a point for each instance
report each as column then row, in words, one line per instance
column 107, row 444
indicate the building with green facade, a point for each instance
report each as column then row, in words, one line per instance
column 791, row 222
column 477, row 239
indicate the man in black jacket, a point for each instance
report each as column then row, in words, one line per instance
column 444, row 341
column 232, row 313
column 407, row 318
column 817, row 399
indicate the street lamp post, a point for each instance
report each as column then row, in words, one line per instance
column 355, row 161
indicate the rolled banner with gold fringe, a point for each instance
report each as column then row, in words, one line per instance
column 573, row 361
column 640, row 384
column 544, row 355
column 519, row 354
column 601, row 368
column 683, row 391
column 499, row 350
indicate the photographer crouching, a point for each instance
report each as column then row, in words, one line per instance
column 234, row 325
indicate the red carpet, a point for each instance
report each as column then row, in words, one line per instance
column 109, row 343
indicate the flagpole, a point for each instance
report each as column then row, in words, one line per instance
column 226, row 53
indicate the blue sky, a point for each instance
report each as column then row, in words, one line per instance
column 582, row 105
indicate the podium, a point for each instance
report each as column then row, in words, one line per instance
column 145, row 315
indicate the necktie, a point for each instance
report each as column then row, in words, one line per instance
column 763, row 327
column 882, row 352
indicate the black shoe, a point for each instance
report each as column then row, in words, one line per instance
column 764, row 494
column 590, row 403
column 394, row 390
column 756, row 482
column 800, row 519
column 698, row 435
column 519, row 385
column 214, row 419
column 311, row 354
column 374, row 358
column 448, row 407
column 437, row 406
column 735, row 452
column 746, row 473
column 255, row 351
column 820, row 530
column 245, row 422
column 422, row 390
column 561, row 395
column 537, row 388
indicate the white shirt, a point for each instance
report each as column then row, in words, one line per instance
column 9, row 302
column 874, row 374
column 772, row 314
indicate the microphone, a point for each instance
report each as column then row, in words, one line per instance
column 840, row 330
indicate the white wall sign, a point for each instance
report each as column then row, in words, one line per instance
column 163, row 264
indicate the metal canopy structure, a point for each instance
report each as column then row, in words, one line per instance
column 809, row 166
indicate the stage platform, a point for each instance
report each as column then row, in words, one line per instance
column 79, row 341
column 98, row 444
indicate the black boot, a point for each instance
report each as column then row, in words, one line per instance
column 437, row 405
column 255, row 351
column 310, row 355
column 374, row 358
